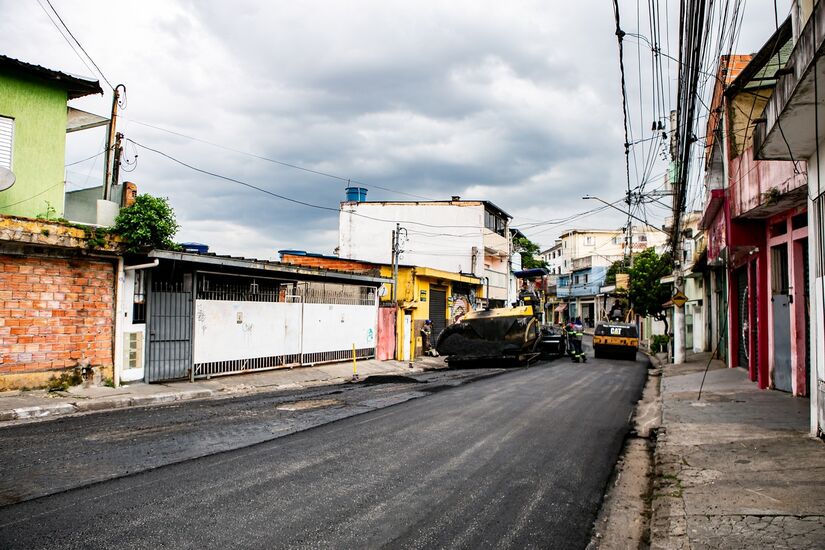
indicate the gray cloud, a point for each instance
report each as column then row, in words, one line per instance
column 514, row 102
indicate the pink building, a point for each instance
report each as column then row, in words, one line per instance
column 756, row 219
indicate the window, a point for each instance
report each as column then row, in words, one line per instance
column 6, row 141
column 565, row 263
column 577, row 279
column 585, row 278
column 642, row 238
column 494, row 223
column 617, row 239
column 589, row 241
column 139, row 305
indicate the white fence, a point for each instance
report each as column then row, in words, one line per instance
column 237, row 336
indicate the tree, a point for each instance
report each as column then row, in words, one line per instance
column 146, row 224
column 646, row 292
column 619, row 266
column 528, row 251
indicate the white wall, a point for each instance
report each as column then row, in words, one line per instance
column 816, row 292
column 128, row 325
column 226, row 330
column 266, row 329
column 337, row 327
column 445, row 243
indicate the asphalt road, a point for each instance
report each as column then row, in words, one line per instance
column 519, row 460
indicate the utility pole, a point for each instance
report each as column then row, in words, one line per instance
column 110, row 143
column 678, row 278
column 396, row 252
column 395, row 264
column 629, row 231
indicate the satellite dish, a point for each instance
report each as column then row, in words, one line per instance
column 7, row 178
column 382, row 291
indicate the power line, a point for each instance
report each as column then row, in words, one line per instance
column 284, row 197
column 280, row 162
column 79, row 45
column 87, row 158
column 63, row 35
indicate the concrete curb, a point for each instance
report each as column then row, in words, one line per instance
column 165, row 397
column 94, row 405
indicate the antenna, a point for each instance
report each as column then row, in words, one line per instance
column 7, row 178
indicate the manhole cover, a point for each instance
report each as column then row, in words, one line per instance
column 309, row 404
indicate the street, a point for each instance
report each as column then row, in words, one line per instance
column 516, row 460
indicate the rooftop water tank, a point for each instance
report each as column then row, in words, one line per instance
column 356, row 194
column 197, row 248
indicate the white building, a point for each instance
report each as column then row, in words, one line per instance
column 553, row 259
column 460, row 236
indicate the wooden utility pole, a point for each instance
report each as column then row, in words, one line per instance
column 111, row 143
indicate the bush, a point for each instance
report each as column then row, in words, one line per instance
column 146, row 224
column 659, row 343
column 65, row 381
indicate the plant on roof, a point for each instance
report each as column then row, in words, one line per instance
column 148, row 223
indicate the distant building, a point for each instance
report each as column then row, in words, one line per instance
column 586, row 255
column 457, row 236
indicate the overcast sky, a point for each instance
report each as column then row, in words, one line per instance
column 513, row 102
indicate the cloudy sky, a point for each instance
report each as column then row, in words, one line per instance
column 513, row 102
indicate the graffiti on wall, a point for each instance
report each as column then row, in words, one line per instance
column 459, row 308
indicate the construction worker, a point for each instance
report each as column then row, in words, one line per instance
column 426, row 338
column 576, row 335
column 529, row 297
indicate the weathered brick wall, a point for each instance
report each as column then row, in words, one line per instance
column 53, row 313
column 337, row 264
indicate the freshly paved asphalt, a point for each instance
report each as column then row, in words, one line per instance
column 519, row 460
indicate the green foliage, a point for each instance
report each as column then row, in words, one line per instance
column 65, row 381
column 95, row 237
column 148, row 223
column 528, row 251
column 619, row 266
column 49, row 214
column 659, row 343
column 646, row 293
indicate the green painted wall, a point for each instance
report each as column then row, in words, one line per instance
column 38, row 157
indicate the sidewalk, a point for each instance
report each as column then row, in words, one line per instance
column 736, row 469
column 17, row 405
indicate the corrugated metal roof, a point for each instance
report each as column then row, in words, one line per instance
column 266, row 265
column 76, row 86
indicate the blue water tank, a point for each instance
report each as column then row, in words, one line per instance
column 356, row 194
column 197, row 248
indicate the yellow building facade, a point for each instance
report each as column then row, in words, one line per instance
column 424, row 293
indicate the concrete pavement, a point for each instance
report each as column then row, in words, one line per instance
column 736, row 468
column 20, row 405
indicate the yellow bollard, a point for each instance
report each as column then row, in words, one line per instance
column 354, row 365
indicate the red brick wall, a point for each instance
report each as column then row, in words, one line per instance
column 338, row 264
column 54, row 312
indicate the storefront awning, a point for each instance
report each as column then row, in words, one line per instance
column 560, row 308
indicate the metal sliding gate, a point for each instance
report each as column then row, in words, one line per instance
column 169, row 325
column 211, row 324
